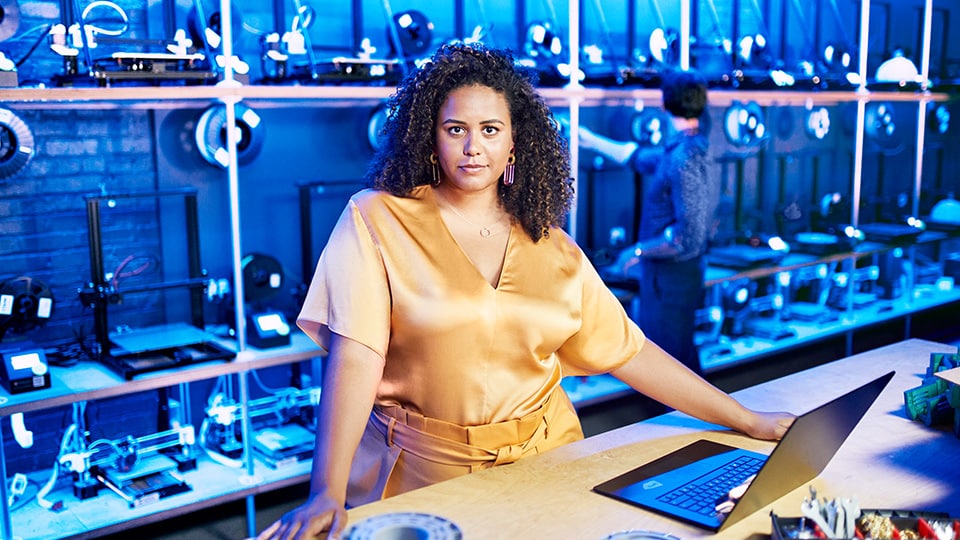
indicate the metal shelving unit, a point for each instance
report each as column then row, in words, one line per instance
column 214, row 483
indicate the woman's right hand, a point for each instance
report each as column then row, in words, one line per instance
column 321, row 516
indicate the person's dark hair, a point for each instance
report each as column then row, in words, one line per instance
column 684, row 93
column 542, row 192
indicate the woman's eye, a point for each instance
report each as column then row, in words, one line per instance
column 455, row 130
column 490, row 130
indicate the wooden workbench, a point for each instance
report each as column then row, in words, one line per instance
column 888, row 462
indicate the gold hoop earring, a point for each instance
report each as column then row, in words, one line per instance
column 509, row 171
column 435, row 168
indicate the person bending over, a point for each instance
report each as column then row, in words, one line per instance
column 680, row 199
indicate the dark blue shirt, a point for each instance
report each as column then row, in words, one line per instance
column 679, row 192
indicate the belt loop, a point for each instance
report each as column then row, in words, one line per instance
column 393, row 422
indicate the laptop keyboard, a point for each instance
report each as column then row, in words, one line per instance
column 701, row 494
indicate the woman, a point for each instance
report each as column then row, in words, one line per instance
column 452, row 302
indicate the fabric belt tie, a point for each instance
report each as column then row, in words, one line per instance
column 508, row 454
column 475, row 446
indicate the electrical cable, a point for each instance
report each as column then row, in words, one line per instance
column 100, row 30
column 66, row 443
column 43, row 35
column 81, row 337
column 119, row 274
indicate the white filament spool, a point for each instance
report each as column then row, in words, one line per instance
column 404, row 526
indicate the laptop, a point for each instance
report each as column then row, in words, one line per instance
column 714, row 485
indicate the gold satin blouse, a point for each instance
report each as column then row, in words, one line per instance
column 393, row 278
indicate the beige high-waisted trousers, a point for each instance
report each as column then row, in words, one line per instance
column 402, row 450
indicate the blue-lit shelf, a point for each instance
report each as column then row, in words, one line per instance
column 747, row 349
column 211, row 484
column 586, row 391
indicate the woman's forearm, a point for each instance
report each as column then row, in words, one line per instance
column 353, row 373
column 656, row 374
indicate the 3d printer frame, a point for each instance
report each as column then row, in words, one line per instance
column 98, row 293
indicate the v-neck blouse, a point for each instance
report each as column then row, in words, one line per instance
column 393, row 278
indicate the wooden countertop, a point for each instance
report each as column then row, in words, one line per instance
column 888, row 462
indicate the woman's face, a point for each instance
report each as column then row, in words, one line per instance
column 474, row 137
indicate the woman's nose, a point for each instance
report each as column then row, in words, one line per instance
column 470, row 149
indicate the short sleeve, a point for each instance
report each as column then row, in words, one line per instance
column 645, row 160
column 607, row 337
column 348, row 294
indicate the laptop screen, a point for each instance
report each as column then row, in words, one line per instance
column 803, row 452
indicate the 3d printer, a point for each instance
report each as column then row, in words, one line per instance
column 134, row 351
column 103, row 25
column 141, row 470
column 856, row 289
column 708, row 336
column 806, row 297
column 766, row 311
column 281, row 427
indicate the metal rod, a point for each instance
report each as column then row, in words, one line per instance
column 6, row 526
column 838, row 18
column 356, row 23
column 306, row 234
column 858, row 161
column 94, row 240
column 193, row 259
column 760, row 18
column 459, row 24
column 202, row 17
column 234, row 183
column 685, row 28
column 140, row 194
column 484, row 20
column 921, row 140
column 85, row 45
column 574, row 112
column 927, row 36
column 607, row 38
column 715, row 18
column 864, row 39
column 395, row 36
column 307, row 41
column 659, row 13
column 808, row 35
column 190, row 282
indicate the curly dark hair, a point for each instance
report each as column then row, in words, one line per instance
column 684, row 93
column 542, row 192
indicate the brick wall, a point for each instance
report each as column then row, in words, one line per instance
column 43, row 227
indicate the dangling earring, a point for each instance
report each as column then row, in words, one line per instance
column 435, row 166
column 509, row 170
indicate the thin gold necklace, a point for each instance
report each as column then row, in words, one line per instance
column 485, row 232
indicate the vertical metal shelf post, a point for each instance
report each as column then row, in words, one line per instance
column 574, row 105
column 911, row 277
column 862, row 99
column 6, row 525
column 236, row 248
